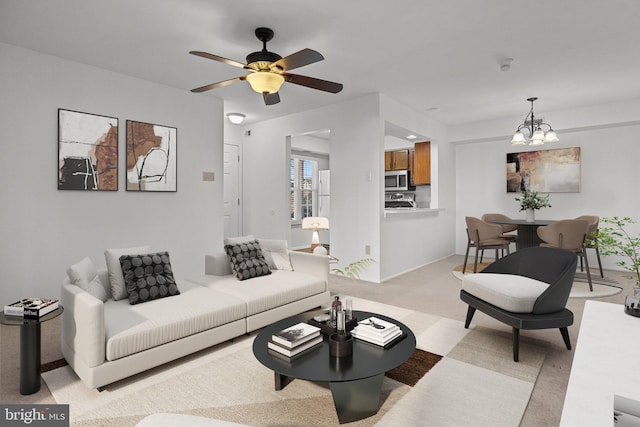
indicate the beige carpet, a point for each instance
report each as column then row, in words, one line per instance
column 475, row 383
column 602, row 287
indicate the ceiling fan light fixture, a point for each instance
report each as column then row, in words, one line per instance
column 236, row 118
column 265, row 81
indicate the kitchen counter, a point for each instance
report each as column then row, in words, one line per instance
column 406, row 211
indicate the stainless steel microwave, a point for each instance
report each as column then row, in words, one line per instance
column 398, row 181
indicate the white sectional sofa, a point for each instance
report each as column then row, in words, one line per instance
column 106, row 341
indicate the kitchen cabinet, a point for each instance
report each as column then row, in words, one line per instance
column 396, row 160
column 422, row 163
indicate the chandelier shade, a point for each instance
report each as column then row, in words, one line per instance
column 534, row 128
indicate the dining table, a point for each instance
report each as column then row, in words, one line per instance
column 527, row 230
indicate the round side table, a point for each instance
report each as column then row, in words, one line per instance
column 29, row 347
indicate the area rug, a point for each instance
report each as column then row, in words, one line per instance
column 602, row 287
column 472, row 381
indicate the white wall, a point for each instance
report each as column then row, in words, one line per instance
column 411, row 240
column 44, row 230
column 356, row 176
column 357, row 191
column 608, row 139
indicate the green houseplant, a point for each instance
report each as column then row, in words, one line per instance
column 615, row 239
column 530, row 201
column 354, row 269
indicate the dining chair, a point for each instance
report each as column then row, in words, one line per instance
column 506, row 228
column 589, row 241
column 483, row 235
column 568, row 234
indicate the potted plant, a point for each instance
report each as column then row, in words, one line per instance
column 354, row 269
column 614, row 239
column 530, row 201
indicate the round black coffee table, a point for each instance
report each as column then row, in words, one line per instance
column 29, row 348
column 355, row 381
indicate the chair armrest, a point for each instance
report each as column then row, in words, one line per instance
column 315, row 265
column 83, row 328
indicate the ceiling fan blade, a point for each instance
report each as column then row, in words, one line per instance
column 298, row 59
column 270, row 98
column 313, row 83
column 218, row 58
column 219, row 84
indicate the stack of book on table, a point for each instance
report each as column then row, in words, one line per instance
column 295, row 339
column 376, row 331
column 31, row 308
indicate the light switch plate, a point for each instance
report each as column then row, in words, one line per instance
column 208, row 176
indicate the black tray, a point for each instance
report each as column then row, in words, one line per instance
column 328, row 330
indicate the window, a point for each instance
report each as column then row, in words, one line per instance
column 302, row 183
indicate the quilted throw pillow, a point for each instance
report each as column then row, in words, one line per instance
column 246, row 260
column 148, row 277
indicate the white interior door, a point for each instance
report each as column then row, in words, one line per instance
column 232, row 204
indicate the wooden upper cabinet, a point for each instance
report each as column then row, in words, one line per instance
column 388, row 160
column 422, row 163
column 396, row 160
column 401, row 160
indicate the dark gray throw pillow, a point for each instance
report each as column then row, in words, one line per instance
column 246, row 260
column 148, row 277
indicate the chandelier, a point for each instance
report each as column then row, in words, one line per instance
column 537, row 136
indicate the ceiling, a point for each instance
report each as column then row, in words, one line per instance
column 439, row 57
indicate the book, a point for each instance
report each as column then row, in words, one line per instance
column 31, row 307
column 295, row 335
column 388, row 345
column 377, row 328
column 298, row 349
column 376, row 340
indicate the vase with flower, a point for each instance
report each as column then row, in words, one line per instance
column 530, row 201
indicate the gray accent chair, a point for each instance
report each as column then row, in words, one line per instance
column 552, row 266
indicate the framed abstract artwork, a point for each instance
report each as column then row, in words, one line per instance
column 151, row 157
column 87, row 151
column 545, row 171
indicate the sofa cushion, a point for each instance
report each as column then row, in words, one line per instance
column 276, row 254
column 513, row 293
column 148, row 277
column 131, row 329
column 116, row 278
column 266, row 292
column 84, row 275
column 246, row 260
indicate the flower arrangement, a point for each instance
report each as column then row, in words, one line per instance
column 533, row 200
column 614, row 239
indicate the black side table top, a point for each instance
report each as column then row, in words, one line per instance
column 21, row 321
column 317, row 364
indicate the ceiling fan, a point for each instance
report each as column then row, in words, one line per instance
column 268, row 70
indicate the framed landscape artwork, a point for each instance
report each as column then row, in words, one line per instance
column 151, row 157
column 87, row 151
column 545, row 171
